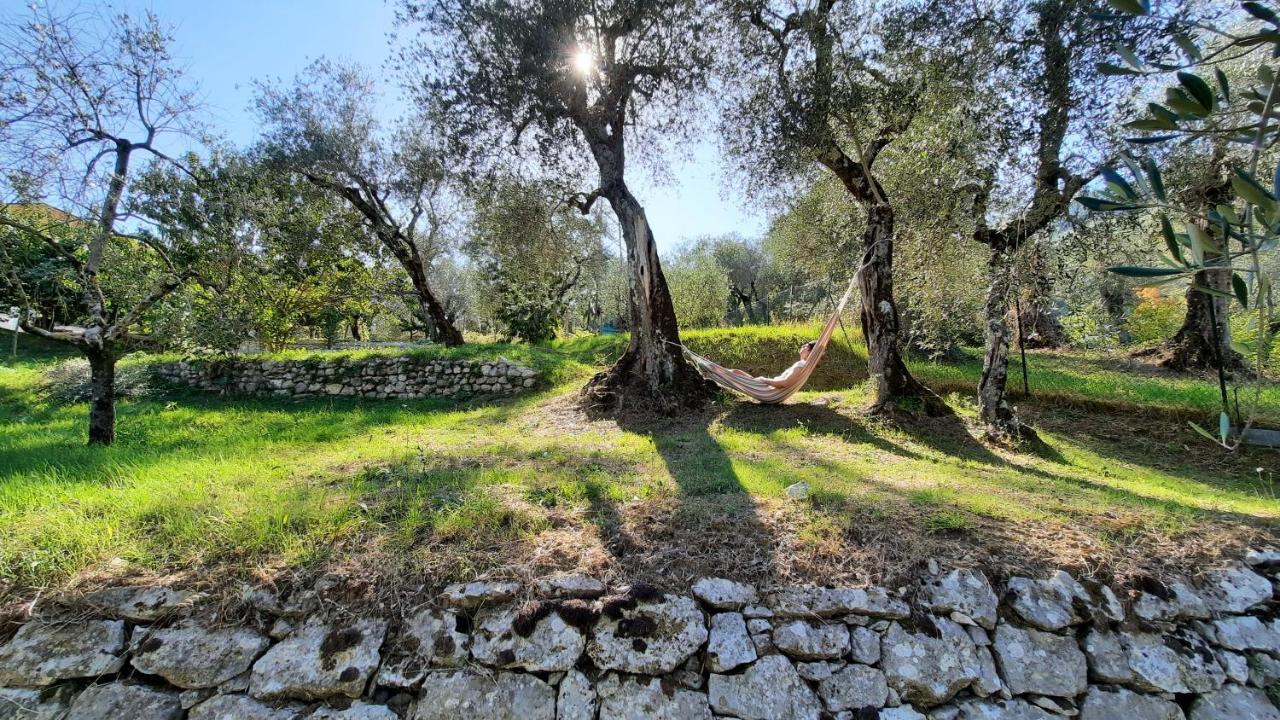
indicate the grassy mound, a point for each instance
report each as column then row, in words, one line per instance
column 758, row 349
column 768, row 350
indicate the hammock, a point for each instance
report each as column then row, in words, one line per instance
column 760, row 390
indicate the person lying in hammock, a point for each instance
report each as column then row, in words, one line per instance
column 785, row 377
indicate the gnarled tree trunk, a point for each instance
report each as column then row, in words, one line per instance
column 102, row 395
column 744, row 299
column 993, row 403
column 1204, row 339
column 889, row 374
column 439, row 327
column 652, row 370
column 1040, row 327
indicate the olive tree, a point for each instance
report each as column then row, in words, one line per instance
column 815, row 89
column 555, row 78
column 278, row 253
column 1043, row 73
column 749, row 273
column 82, row 96
column 698, row 287
column 1232, row 238
column 1199, row 175
column 531, row 250
column 325, row 127
column 43, row 274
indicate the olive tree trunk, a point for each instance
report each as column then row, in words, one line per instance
column 1204, row 340
column 400, row 243
column 1040, row 327
column 993, row 403
column 653, row 370
column 102, row 396
column 745, row 300
column 438, row 326
column 890, row 378
column 880, row 325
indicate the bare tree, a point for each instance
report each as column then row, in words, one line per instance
column 82, row 94
column 552, row 76
column 325, row 126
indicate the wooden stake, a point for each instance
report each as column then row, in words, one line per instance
column 1022, row 348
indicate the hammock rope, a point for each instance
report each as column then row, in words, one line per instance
column 773, row 392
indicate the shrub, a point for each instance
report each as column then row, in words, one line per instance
column 68, row 380
column 1155, row 318
column 1091, row 327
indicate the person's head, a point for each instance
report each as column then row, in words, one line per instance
column 807, row 348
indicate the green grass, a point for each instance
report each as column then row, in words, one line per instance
column 32, row 351
column 225, row 488
column 1089, row 378
column 1098, row 380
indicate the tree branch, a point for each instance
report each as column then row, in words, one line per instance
column 66, row 254
column 119, row 330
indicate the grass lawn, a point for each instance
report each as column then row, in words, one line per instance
column 405, row 495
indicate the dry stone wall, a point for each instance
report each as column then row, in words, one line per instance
column 381, row 377
column 953, row 647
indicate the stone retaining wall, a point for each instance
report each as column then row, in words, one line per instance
column 391, row 376
column 950, row 648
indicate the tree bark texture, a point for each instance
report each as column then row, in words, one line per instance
column 1041, row 327
column 1205, row 336
column 993, row 403
column 439, row 328
column 1201, row 341
column 880, row 325
column 653, row 372
column 97, row 346
column 653, row 369
column 102, row 396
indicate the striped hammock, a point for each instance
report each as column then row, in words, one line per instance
column 766, row 392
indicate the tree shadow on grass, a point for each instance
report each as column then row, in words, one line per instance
column 948, row 436
column 713, row 514
column 1167, row 448
column 592, row 511
column 814, row 418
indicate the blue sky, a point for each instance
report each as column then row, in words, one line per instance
column 226, row 44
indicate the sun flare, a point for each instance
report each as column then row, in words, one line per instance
column 583, row 62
